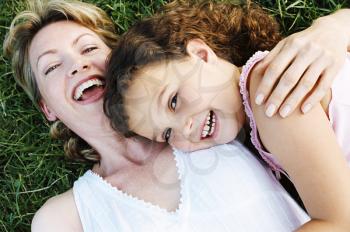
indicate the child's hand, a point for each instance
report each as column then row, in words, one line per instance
column 302, row 65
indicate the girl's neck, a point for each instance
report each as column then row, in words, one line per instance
column 230, row 69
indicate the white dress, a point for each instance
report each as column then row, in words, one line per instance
column 223, row 188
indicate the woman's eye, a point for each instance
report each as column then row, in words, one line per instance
column 167, row 134
column 50, row 69
column 173, row 101
column 89, row 49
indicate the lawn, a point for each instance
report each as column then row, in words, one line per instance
column 32, row 166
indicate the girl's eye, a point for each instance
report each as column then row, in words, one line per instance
column 173, row 101
column 167, row 134
column 89, row 49
column 50, row 69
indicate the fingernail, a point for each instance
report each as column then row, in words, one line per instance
column 285, row 111
column 306, row 108
column 270, row 110
column 259, row 99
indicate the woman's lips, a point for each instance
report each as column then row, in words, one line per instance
column 93, row 96
column 89, row 90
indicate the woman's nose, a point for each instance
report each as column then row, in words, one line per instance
column 78, row 67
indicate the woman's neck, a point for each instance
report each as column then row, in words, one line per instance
column 118, row 153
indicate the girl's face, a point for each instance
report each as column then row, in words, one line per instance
column 193, row 103
column 68, row 61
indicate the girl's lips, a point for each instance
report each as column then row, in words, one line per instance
column 216, row 126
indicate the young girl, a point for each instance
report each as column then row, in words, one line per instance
column 176, row 78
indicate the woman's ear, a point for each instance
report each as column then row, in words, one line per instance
column 199, row 49
column 47, row 111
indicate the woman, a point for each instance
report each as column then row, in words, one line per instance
column 58, row 60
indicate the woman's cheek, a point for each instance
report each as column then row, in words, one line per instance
column 100, row 60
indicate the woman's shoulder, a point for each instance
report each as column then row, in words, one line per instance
column 59, row 213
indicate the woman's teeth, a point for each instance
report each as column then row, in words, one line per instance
column 209, row 127
column 87, row 84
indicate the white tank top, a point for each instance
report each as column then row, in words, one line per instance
column 223, row 188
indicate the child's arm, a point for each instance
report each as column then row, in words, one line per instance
column 314, row 53
column 306, row 147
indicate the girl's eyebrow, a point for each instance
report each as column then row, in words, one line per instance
column 160, row 97
column 158, row 137
column 160, row 104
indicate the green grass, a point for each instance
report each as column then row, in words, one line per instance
column 32, row 167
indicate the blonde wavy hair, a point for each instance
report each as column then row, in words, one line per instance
column 24, row 27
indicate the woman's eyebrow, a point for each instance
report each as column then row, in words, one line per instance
column 51, row 51
column 75, row 41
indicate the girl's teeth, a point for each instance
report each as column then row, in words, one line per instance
column 210, row 125
column 212, row 129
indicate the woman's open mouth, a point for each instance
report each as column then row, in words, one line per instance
column 209, row 126
column 89, row 90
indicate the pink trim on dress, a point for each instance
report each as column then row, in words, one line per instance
column 254, row 137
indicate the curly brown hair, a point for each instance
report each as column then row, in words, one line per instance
column 233, row 31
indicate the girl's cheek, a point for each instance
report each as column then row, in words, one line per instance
column 190, row 95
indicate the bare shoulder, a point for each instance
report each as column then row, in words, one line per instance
column 59, row 213
column 306, row 147
column 297, row 133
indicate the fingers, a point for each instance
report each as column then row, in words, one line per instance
column 273, row 73
column 302, row 66
column 266, row 84
column 320, row 90
column 305, row 85
column 289, row 80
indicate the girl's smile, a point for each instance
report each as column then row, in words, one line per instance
column 192, row 103
column 209, row 126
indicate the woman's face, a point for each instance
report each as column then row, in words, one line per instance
column 68, row 61
column 191, row 103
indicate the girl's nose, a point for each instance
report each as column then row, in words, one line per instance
column 187, row 130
